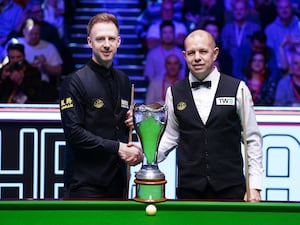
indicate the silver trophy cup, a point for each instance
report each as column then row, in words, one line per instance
column 149, row 122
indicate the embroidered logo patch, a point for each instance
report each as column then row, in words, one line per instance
column 225, row 101
column 181, row 106
column 66, row 103
column 124, row 104
column 98, row 103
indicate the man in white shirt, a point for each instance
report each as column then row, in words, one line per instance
column 205, row 111
column 40, row 53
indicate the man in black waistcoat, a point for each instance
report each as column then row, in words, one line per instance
column 204, row 122
column 94, row 105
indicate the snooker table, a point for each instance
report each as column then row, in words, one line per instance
column 69, row 212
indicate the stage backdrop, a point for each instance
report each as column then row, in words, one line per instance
column 32, row 154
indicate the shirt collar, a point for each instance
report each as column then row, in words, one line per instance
column 101, row 70
column 213, row 77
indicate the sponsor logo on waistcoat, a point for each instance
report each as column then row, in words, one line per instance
column 225, row 101
column 181, row 106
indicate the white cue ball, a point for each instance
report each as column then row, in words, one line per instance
column 150, row 210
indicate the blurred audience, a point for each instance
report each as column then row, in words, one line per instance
column 155, row 58
column 153, row 32
column 157, row 88
column 258, row 44
column 54, row 11
column 288, row 89
column 286, row 23
column 151, row 10
column 40, row 53
column 49, row 33
column 197, row 13
column 15, row 53
column 235, row 35
column 290, row 44
column 261, row 83
column 252, row 14
column 224, row 61
column 12, row 17
column 21, row 83
column 266, row 10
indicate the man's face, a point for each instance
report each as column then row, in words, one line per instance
column 104, row 40
column 258, row 46
column 32, row 35
column 167, row 35
column 15, row 56
column 239, row 11
column 167, row 11
column 36, row 12
column 200, row 54
column 284, row 9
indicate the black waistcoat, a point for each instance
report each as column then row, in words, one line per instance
column 209, row 152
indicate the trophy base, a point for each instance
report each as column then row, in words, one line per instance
column 150, row 191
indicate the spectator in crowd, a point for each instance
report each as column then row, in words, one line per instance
column 151, row 10
column 54, row 11
column 258, row 44
column 224, row 61
column 49, row 33
column 286, row 23
column 155, row 59
column 196, row 13
column 15, row 53
column 252, row 14
column 157, row 88
column 12, row 17
column 40, row 53
column 289, row 45
column 21, row 83
column 153, row 33
column 288, row 88
column 266, row 10
column 235, row 35
column 261, row 83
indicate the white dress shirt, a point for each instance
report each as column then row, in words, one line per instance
column 204, row 96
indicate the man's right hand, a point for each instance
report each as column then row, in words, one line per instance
column 131, row 153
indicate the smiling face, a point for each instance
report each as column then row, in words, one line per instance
column 104, row 40
column 200, row 53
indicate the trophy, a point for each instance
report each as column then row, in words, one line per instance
column 149, row 123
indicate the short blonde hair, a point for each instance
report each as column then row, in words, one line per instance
column 102, row 18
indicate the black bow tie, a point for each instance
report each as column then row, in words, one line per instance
column 197, row 84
